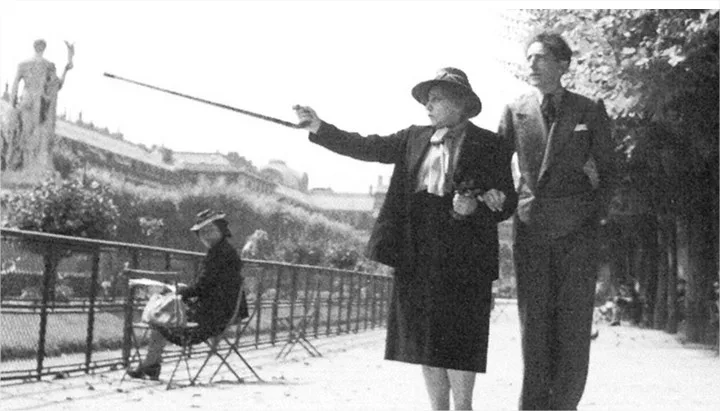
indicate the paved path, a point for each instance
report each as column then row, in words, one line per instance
column 630, row 369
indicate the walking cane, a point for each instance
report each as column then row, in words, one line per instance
column 212, row 103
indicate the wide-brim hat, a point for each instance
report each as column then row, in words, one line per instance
column 206, row 217
column 454, row 78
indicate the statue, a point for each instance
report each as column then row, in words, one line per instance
column 30, row 129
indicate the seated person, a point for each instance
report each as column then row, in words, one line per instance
column 211, row 300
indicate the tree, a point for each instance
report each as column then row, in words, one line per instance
column 74, row 207
column 657, row 71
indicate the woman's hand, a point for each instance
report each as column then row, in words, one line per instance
column 307, row 118
column 493, row 198
column 464, row 205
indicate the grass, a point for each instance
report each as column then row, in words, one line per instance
column 67, row 332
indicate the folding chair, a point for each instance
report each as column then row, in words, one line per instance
column 136, row 278
column 297, row 324
column 231, row 337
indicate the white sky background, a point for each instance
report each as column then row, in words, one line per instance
column 354, row 62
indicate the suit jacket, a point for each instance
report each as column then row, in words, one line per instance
column 556, row 193
column 482, row 157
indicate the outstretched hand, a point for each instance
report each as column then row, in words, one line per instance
column 307, row 118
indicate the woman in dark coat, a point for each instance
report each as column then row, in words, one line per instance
column 211, row 300
column 451, row 185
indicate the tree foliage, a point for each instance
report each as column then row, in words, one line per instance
column 73, row 207
column 657, row 71
column 639, row 61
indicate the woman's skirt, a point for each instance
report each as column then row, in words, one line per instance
column 440, row 308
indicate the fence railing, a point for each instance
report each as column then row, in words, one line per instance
column 62, row 301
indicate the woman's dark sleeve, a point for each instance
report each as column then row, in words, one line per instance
column 383, row 149
column 502, row 181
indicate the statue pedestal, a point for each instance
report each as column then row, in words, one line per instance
column 25, row 179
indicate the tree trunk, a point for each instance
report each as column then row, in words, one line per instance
column 670, row 228
column 644, row 266
column 699, row 271
column 661, row 308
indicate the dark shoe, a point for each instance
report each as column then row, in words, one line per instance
column 151, row 371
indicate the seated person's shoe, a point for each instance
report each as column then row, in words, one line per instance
column 151, row 371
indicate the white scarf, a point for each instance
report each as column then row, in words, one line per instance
column 437, row 162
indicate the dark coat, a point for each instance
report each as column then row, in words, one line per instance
column 556, row 192
column 213, row 296
column 483, row 158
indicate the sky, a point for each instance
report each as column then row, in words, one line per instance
column 354, row 62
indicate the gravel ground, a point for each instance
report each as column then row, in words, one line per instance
column 630, row 368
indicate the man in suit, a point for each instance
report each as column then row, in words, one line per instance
column 554, row 134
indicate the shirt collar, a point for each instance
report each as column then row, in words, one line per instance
column 454, row 132
column 557, row 94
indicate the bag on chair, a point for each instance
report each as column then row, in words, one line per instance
column 165, row 310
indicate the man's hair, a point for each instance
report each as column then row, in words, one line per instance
column 554, row 43
column 39, row 45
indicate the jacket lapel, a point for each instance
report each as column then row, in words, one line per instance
column 417, row 147
column 469, row 151
column 560, row 132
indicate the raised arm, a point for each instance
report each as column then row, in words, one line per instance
column 383, row 149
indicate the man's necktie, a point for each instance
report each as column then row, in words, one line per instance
column 548, row 109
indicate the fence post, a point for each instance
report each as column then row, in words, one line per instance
column 351, row 291
column 47, row 273
column 91, row 309
column 360, row 280
column 276, row 301
column 127, row 329
column 383, row 302
column 340, row 302
column 330, row 303
column 373, row 304
column 258, row 306
column 305, row 300
column 316, row 320
column 367, row 280
column 293, row 297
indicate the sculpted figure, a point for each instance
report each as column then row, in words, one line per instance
column 32, row 124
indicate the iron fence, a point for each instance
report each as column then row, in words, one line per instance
column 62, row 301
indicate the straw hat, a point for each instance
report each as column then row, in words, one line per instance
column 206, row 217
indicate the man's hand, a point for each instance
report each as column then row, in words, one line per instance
column 307, row 118
column 493, row 198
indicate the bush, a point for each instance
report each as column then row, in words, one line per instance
column 294, row 235
column 75, row 207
